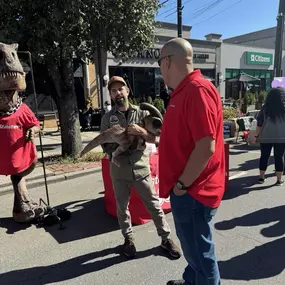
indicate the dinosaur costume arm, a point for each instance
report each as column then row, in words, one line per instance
column 107, row 147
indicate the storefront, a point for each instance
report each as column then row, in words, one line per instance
column 142, row 72
column 251, row 60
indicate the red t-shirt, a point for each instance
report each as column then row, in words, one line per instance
column 16, row 153
column 194, row 111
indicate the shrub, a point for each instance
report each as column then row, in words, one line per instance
column 135, row 101
column 251, row 98
column 229, row 113
column 149, row 100
column 261, row 97
column 159, row 104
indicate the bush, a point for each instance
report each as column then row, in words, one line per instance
column 135, row 101
column 159, row 104
column 261, row 97
column 149, row 100
column 229, row 113
column 251, row 98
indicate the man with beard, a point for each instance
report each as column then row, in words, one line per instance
column 134, row 169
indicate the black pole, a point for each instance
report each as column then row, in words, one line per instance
column 40, row 135
column 100, row 72
column 179, row 18
column 279, row 40
column 37, row 115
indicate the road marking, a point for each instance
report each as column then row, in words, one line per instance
column 237, row 175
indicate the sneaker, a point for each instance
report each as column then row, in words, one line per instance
column 129, row 248
column 261, row 180
column 176, row 282
column 280, row 182
column 171, row 248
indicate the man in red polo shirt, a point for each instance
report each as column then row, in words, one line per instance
column 191, row 160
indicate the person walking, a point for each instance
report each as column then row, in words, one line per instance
column 191, row 160
column 270, row 133
column 134, row 169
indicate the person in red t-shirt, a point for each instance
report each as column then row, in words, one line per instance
column 191, row 160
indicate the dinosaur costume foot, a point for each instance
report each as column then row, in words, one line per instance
column 28, row 212
column 24, row 214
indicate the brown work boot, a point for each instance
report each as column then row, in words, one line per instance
column 129, row 248
column 171, row 248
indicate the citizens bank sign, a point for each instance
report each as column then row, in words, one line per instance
column 259, row 58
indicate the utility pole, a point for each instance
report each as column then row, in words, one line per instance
column 279, row 40
column 179, row 18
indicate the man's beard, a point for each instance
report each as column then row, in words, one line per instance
column 121, row 102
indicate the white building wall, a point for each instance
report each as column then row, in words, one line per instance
column 234, row 57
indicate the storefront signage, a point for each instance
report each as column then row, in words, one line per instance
column 259, row 58
column 154, row 53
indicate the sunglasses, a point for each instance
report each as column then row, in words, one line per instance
column 162, row 58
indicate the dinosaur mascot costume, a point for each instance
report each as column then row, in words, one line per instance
column 18, row 126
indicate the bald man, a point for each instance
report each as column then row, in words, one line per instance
column 191, row 160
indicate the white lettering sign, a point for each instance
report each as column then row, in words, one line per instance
column 259, row 58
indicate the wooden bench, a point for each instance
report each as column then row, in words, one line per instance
column 48, row 122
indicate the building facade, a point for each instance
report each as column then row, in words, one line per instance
column 235, row 59
column 142, row 72
column 217, row 59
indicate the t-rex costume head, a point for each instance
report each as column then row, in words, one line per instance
column 12, row 76
column 18, row 155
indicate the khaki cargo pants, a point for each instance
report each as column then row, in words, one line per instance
column 123, row 179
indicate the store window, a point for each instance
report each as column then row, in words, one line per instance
column 140, row 80
column 264, row 84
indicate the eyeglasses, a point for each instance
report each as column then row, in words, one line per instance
column 162, row 58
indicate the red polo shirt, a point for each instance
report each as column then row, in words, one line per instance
column 194, row 112
column 17, row 154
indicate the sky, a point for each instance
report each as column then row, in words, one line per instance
column 227, row 17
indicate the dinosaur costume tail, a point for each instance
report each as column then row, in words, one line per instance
column 153, row 110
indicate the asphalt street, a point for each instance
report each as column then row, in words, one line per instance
column 249, row 234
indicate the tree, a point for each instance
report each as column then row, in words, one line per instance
column 56, row 32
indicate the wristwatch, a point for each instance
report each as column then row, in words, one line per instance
column 181, row 186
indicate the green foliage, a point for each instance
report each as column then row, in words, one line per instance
column 135, row 102
column 57, row 31
column 234, row 105
column 149, row 100
column 251, row 98
column 261, row 97
column 159, row 104
column 229, row 113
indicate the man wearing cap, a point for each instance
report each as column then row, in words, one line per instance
column 134, row 169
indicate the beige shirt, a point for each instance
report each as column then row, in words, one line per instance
column 135, row 159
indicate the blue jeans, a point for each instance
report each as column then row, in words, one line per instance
column 193, row 223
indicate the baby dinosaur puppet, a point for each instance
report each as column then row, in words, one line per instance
column 18, row 126
column 117, row 134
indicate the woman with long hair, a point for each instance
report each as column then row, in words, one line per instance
column 270, row 133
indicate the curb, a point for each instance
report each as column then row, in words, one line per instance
column 52, row 178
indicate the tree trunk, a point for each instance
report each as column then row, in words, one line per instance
column 67, row 107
